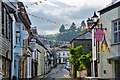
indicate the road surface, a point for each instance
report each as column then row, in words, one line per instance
column 57, row 73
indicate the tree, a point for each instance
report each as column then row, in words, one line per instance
column 79, row 59
column 62, row 28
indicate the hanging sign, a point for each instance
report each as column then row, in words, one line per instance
column 25, row 34
column 99, row 34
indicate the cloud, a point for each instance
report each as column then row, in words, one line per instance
column 63, row 12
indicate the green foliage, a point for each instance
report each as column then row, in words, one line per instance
column 84, row 60
column 79, row 58
column 67, row 35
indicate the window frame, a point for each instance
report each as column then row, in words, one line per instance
column 116, row 33
column 63, row 53
column 17, row 37
column 6, row 23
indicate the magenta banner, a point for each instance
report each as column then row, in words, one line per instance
column 99, row 35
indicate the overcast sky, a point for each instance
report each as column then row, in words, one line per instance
column 62, row 12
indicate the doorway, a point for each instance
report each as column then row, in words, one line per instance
column 117, row 70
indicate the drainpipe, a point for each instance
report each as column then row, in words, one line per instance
column 12, row 46
column 16, row 73
column 12, row 54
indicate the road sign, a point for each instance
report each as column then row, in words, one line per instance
column 99, row 35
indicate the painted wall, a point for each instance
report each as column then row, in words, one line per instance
column 17, row 48
column 41, row 52
column 63, row 55
column 106, row 19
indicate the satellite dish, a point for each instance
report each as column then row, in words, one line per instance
column 25, row 34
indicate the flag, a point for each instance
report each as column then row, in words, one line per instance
column 89, row 27
column 83, row 26
column 104, row 45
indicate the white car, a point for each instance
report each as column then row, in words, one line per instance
column 67, row 65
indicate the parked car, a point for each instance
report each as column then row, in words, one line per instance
column 67, row 65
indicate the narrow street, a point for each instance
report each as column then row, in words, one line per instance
column 57, row 73
column 59, row 39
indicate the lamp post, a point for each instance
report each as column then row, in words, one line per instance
column 92, row 23
column 97, row 35
column 94, row 46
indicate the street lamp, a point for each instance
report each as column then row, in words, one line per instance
column 97, row 35
column 94, row 46
column 95, row 17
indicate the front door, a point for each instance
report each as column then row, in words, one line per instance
column 117, row 70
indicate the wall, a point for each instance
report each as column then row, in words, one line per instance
column 106, row 19
column 40, row 59
column 84, row 43
column 62, row 57
column 5, row 50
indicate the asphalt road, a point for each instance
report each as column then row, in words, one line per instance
column 57, row 73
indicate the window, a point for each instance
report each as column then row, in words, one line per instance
column 7, row 26
column 59, row 54
column 116, row 29
column 6, row 23
column 115, row 26
column 17, row 37
column 5, row 67
column 4, row 15
column 63, row 54
column 10, row 28
column 18, row 34
column 3, row 21
column 64, row 60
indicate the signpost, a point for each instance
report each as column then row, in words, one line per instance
column 99, row 34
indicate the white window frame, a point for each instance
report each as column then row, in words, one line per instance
column 18, row 34
column 117, row 31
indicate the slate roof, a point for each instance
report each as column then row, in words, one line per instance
column 87, row 35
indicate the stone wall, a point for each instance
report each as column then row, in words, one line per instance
column 82, row 73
